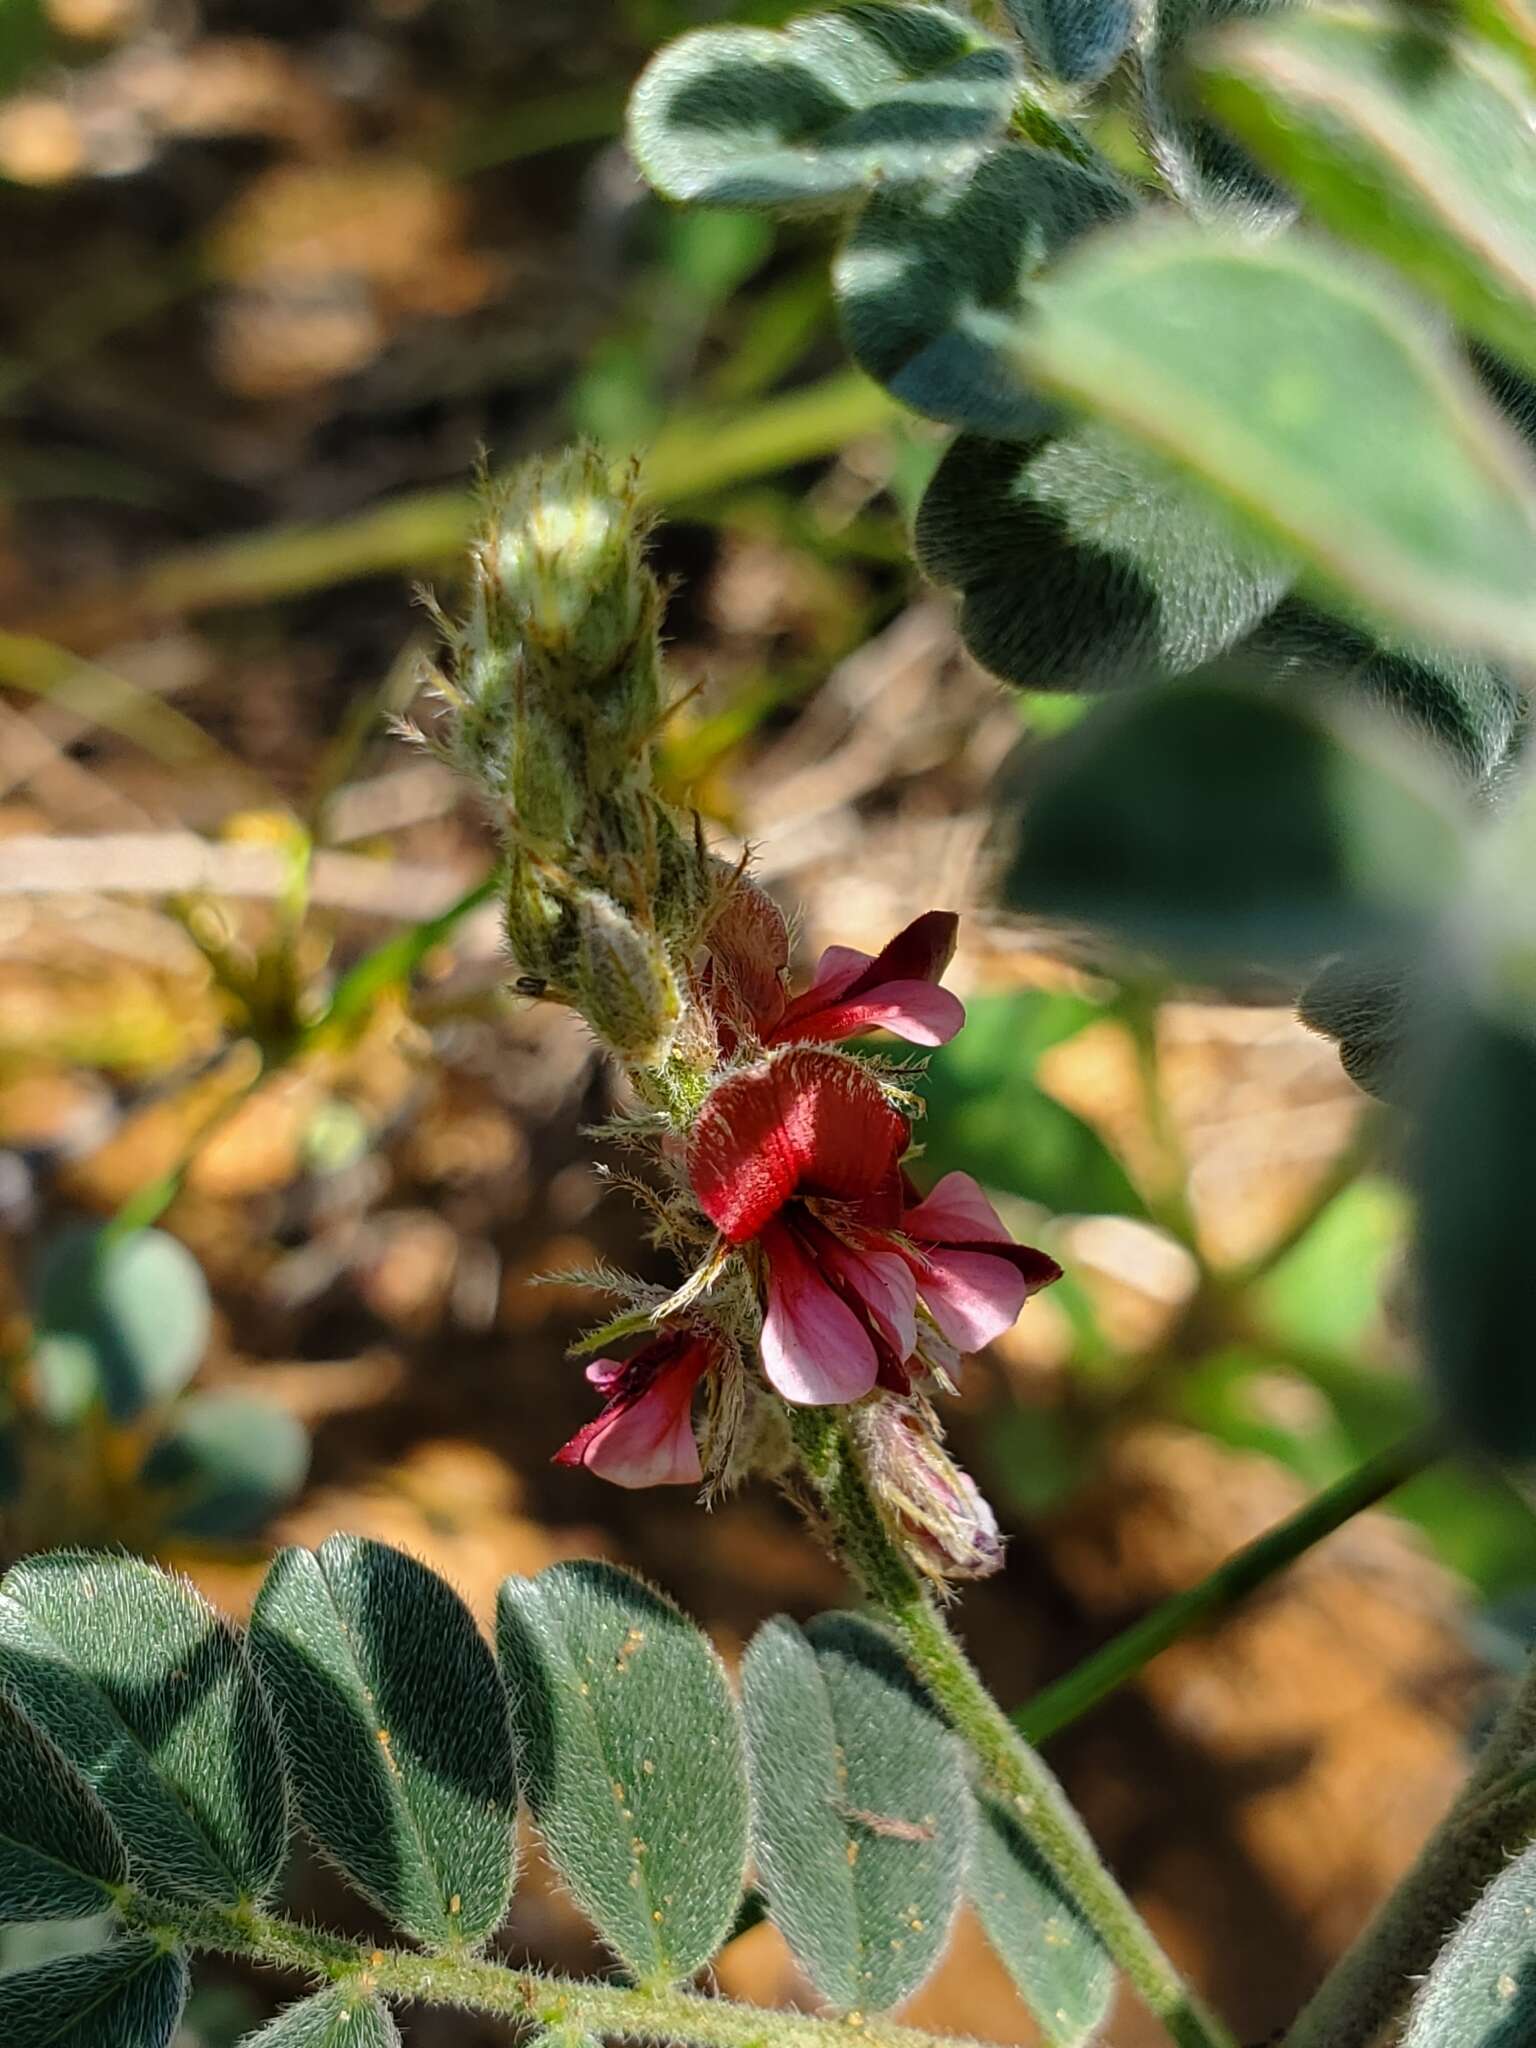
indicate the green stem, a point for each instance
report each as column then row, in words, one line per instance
column 470, row 1984
column 1371, row 1985
column 1232, row 1581
column 1013, row 1770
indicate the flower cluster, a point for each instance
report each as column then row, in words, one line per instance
column 821, row 1275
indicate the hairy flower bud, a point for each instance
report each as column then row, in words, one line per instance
column 540, row 926
column 933, row 1507
column 542, row 785
column 623, row 983
column 567, row 559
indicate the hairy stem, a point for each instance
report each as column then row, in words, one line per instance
column 470, row 1983
column 1012, row 1769
column 1494, row 1816
column 1232, row 1581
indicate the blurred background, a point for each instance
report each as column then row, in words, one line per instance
column 276, row 276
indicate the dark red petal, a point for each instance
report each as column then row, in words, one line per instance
column 749, row 944
column 919, row 953
column 801, row 1123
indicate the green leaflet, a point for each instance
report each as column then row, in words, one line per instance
column 60, row 1855
column 227, row 1462
column 1083, row 563
column 817, row 113
column 1216, row 824
column 1482, row 1991
column 860, row 1812
column 1078, row 41
column 1063, row 1974
column 931, row 277
column 150, row 1696
column 1418, row 143
column 987, row 1116
column 342, row 2018
column 122, row 1319
column 1277, row 376
column 130, row 1995
column 396, row 1733
column 632, row 1748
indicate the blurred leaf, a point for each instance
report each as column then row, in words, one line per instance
column 632, row 1747
column 396, row 1734
column 1279, row 377
column 24, row 41
column 1053, row 1956
column 148, row 1693
column 860, row 1814
column 1404, row 136
column 1217, row 824
column 139, row 1303
column 1481, row 1993
column 331, row 2019
column 929, row 277
column 1326, row 1292
column 816, row 113
column 60, row 1855
column 128, row 1996
column 1078, row 41
column 1033, row 1458
column 987, row 1115
column 1365, row 1003
column 229, row 1462
column 1083, row 563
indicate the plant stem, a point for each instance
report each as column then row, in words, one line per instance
column 1494, row 1816
column 1012, row 1769
column 1232, row 1581
column 471, row 1984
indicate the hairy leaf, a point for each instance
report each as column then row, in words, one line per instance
column 128, row 1996
column 1217, row 824
column 1208, row 170
column 396, row 1733
column 1401, row 135
column 1482, row 1991
column 342, row 2018
column 931, row 277
column 817, row 113
column 1275, row 374
column 1365, row 1003
column 227, row 1463
column 150, row 1696
column 1078, row 41
column 861, row 1817
column 135, row 1307
column 1085, row 564
column 1052, row 1954
column 60, row 1855
column 987, row 1115
column 632, row 1747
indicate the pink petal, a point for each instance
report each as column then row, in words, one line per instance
column 882, row 1282
column 913, row 1010
column 836, row 971
column 802, row 1122
column 973, row 1296
column 815, row 1351
column 956, row 1212
column 646, row 1442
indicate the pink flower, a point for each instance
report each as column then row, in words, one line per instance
column 644, row 1436
column 799, row 1157
column 896, row 990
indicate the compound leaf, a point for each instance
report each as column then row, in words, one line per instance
column 632, row 1747
column 227, row 1463
column 60, row 1855
column 861, row 1816
column 1481, row 1992
column 1416, row 142
column 1083, row 563
column 396, row 1733
column 817, row 113
column 151, row 1697
column 1077, row 41
column 341, row 2018
column 1215, row 823
column 932, row 276
column 130, row 1995
column 1062, row 1971
column 1277, row 376
column 135, row 1307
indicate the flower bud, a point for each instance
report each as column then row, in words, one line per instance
column 623, row 983
column 568, row 564
column 935, row 1509
column 543, row 788
column 540, row 927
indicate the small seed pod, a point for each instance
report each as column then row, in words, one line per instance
column 933, row 1508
